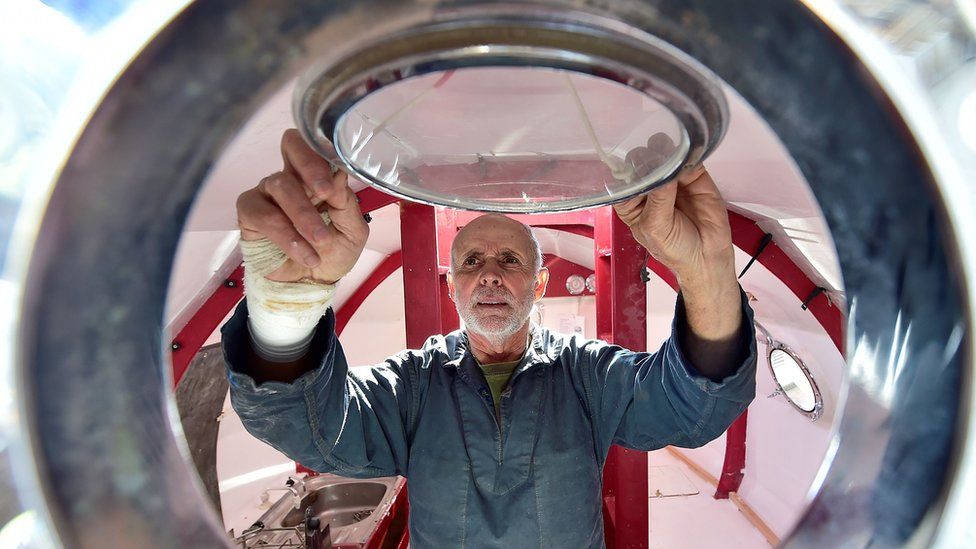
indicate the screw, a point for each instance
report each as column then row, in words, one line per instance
column 230, row 283
column 175, row 346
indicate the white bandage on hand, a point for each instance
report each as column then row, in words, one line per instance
column 282, row 316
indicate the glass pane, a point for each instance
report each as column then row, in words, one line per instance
column 792, row 379
column 511, row 138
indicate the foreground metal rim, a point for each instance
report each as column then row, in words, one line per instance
column 103, row 443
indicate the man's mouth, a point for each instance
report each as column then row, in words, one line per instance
column 492, row 303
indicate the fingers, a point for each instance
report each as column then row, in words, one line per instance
column 343, row 208
column 258, row 215
column 629, row 210
column 653, row 213
column 658, row 149
column 329, row 192
column 306, row 165
column 659, row 210
column 289, row 194
column 701, row 199
column 692, row 174
column 316, row 174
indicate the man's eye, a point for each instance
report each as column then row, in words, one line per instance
column 512, row 260
column 471, row 261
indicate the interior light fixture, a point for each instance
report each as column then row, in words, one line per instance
column 575, row 284
column 591, row 283
column 483, row 111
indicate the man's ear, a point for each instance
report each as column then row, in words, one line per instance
column 541, row 281
column 450, row 286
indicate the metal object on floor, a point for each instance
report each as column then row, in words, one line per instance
column 352, row 509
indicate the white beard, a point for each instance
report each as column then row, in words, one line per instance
column 496, row 325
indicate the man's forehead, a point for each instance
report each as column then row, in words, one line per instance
column 492, row 232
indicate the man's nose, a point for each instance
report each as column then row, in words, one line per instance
column 490, row 275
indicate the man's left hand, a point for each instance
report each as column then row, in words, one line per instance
column 685, row 226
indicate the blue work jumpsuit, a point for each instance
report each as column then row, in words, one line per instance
column 428, row 415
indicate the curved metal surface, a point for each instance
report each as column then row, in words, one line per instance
column 89, row 377
column 511, row 35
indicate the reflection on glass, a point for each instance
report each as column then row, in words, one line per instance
column 514, row 138
column 794, row 382
column 24, row 531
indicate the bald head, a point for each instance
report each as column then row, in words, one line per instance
column 497, row 230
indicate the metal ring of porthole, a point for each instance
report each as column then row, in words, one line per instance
column 492, row 37
column 91, row 362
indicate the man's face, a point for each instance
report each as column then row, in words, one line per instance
column 494, row 283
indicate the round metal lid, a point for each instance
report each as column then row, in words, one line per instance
column 489, row 113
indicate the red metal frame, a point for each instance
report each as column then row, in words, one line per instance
column 747, row 234
column 621, row 318
column 203, row 323
column 392, row 527
column 733, row 468
column 371, row 200
column 583, row 218
column 382, row 271
column 421, row 277
column 449, row 316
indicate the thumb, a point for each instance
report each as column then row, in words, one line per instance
column 659, row 209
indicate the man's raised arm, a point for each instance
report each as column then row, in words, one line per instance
column 301, row 231
column 684, row 225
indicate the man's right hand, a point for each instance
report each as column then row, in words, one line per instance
column 286, row 207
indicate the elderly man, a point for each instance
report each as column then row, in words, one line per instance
column 501, row 428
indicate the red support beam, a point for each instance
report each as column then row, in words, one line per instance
column 186, row 343
column 746, row 235
column 449, row 316
column 421, row 280
column 622, row 319
column 733, row 469
column 371, row 199
column 392, row 526
column 575, row 220
column 382, row 271
column 662, row 272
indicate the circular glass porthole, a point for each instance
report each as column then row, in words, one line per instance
column 795, row 382
column 522, row 116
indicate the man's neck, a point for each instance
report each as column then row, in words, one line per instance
column 487, row 350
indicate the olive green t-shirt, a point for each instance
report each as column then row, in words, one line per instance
column 497, row 376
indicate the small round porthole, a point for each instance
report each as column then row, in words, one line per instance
column 793, row 380
column 490, row 113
